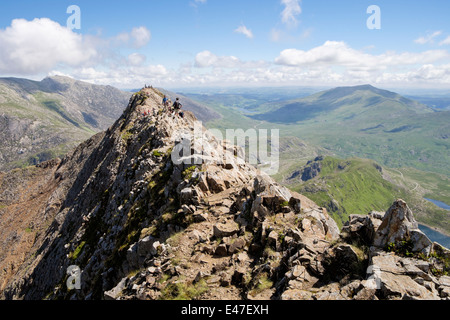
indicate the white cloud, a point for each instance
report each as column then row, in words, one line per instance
column 291, row 10
column 330, row 53
column 122, row 76
column 245, row 31
column 136, row 59
column 206, row 59
column 40, row 46
column 141, row 36
column 428, row 38
column 446, row 41
column 335, row 63
column 334, row 53
column 30, row 47
column 137, row 38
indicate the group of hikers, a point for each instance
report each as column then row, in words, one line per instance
column 172, row 109
column 175, row 108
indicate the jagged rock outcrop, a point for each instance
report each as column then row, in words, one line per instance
column 399, row 225
column 403, row 262
column 310, row 171
column 158, row 208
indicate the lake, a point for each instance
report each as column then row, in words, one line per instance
column 440, row 204
column 435, row 236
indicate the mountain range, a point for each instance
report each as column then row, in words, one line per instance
column 40, row 120
column 367, row 122
column 348, row 102
column 364, row 122
column 120, row 217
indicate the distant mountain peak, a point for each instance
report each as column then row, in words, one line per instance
column 49, row 117
column 344, row 91
column 332, row 100
column 361, row 87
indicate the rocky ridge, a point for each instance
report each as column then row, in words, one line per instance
column 45, row 119
column 141, row 224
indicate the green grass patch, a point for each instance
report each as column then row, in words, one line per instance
column 184, row 290
column 75, row 254
column 355, row 185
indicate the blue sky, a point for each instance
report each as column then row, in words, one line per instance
column 182, row 43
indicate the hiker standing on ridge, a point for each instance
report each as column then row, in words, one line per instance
column 177, row 107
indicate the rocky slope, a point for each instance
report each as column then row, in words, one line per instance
column 41, row 120
column 155, row 208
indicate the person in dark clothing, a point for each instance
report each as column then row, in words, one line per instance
column 177, row 108
column 177, row 105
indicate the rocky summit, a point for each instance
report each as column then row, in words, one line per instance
column 156, row 207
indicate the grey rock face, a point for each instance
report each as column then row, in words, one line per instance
column 399, row 225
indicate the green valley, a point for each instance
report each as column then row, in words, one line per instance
column 358, row 186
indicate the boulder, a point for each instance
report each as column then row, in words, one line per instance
column 221, row 250
column 400, row 225
column 397, row 277
column 273, row 203
column 186, row 195
column 236, row 245
column 317, row 222
column 420, row 241
column 266, row 186
column 444, row 286
column 145, row 246
column 363, row 228
column 272, row 239
column 227, row 229
column 132, row 256
column 295, row 204
column 115, row 292
column 342, row 261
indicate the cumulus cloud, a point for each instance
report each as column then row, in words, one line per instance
column 29, row 47
column 43, row 47
column 141, row 36
column 245, row 31
column 291, row 10
column 332, row 52
column 340, row 54
column 336, row 63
